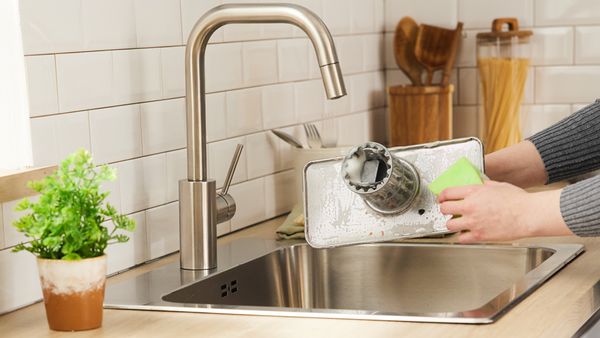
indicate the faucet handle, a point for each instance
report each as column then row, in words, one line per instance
column 232, row 167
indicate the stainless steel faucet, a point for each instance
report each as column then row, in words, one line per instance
column 201, row 207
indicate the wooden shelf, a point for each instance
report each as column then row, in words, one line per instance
column 13, row 185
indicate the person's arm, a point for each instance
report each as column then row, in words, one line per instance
column 519, row 164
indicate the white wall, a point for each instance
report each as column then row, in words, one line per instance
column 566, row 53
column 107, row 75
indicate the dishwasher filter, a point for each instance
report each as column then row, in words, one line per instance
column 339, row 212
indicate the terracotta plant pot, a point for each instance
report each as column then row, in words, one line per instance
column 73, row 292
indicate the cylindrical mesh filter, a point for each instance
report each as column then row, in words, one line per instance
column 388, row 184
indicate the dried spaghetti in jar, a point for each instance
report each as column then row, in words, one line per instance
column 503, row 63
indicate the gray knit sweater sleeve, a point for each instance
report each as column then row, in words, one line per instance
column 569, row 148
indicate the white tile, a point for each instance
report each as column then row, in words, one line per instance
column 340, row 106
column 241, row 32
column 379, row 15
column 51, row 26
column 314, row 70
column 552, row 46
column 143, row 183
column 223, row 228
column 278, row 105
column 464, row 121
column 572, row 12
column 176, row 171
column 480, row 14
column 538, row 117
column 158, row 23
column 162, row 224
column 41, row 85
column 21, row 288
column 361, row 96
column 259, row 62
column 433, row 12
column 396, row 78
column 116, row 133
column 277, row 30
column 163, row 126
column 173, row 71
column 279, row 193
column 244, row 111
column 350, row 53
column 467, row 86
column 219, row 158
column 529, row 90
column 262, row 154
column 467, row 50
column 292, row 59
column 378, row 125
column 9, row 215
column 192, row 10
column 577, row 107
column 566, row 84
column 250, row 201
column 363, row 16
column 586, row 45
column 216, row 117
column 352, row 129
column 55, row 137
column 314, row 6
column 310, row 100
column 85, row 80
column 337, row 16
column 223, row 66
column 373, row 52
column 108, row 24
column 113, row 189
column 390, row 60
column 286, row 151
column 121, row 256
column 137, row 75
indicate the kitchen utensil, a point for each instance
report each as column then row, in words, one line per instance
column 503, row 63
column 404, row 49
column 435, row 49
column 289, row 139
column 312, row 136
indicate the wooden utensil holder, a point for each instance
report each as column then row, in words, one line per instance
column 419, row 114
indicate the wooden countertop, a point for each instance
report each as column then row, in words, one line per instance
column 556, row 309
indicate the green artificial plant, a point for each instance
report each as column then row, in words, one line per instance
column 69, row 220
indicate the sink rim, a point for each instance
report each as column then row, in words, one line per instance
column 562, row 254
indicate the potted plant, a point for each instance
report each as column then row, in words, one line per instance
column 67, row 233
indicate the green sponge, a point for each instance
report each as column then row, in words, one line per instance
column 462, row 172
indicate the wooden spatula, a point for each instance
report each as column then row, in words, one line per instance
column 404, row 49
column 435, row 49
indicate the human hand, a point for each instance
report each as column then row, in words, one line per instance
column 497, row 211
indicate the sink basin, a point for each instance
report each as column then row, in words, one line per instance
column 392, row 281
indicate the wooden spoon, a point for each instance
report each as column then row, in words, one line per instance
column 435, row 49
column 404, row 49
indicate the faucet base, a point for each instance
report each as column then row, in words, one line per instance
column 197, row 220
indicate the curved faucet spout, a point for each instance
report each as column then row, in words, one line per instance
column 299, row 16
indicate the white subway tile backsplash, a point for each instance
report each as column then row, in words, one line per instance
column 468, row 86
column 219, row 158
column 116, row 133
column 340, row 106
column 537, row 117
column 566, row 84
column 108, row 24
column 216, row 117
column 41, row 85
column 464, row 122
column 121, row 256
column 481, row 13
column 143, row 183
column 51, row 26
column 137, row 75
column 552, row 46
column 191, row 11
column 373, row 52
column 350, row 51
column 337, row 16
column 158, row 23
column 262, row 154
column 467, row 51
column 278, row 105
column 293, row 59
column 259, row 63
column 9, row 215
column 353, row 129
column 250, row 201
column 572, row 12
column 163, row 126
column 20, row 288
column 85, row 80
column 162, row 224
column 378, row 125
column 176, row 171
column 362, row 16
column 587, row 50
column 244, row 111
column 173, row 71
column 55, row 137
column 279, row 193
column 310, row 98
column 112, row 187
column 223, row 67
column 432, row 12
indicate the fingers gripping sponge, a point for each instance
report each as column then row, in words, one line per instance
column 462, row 172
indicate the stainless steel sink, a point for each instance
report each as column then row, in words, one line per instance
column 407, row 282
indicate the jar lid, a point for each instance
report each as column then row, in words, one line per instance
column 498, row 33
